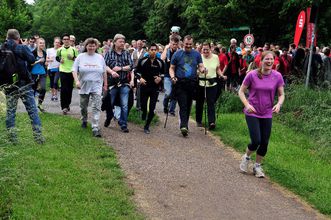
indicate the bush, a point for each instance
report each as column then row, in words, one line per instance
column 229, row 102
column 309, row 111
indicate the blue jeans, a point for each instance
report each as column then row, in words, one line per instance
column 27, row 96
column 123, row 93
column 167, row 96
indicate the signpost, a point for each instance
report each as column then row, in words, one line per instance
column 249, row 39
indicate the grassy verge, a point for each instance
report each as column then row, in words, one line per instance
column 135, row 117
column 290, row 160
column 72, row 176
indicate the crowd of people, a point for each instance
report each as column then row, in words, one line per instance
column 115, row 73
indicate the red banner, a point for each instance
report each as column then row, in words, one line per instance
column 298, row 30
column 310, row 28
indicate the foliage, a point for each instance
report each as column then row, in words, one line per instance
column 76, row 178
column 14, row 14
column 309, row 111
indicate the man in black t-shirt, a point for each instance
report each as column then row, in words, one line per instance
column 149, row 71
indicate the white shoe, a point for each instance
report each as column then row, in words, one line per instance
column 244, row 163
column 258, row 171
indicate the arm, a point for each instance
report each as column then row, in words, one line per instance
column 105, row 81
column 164, row 53
column 220, row 73
column 241, row 93
column 75, row 75
column 281, row 98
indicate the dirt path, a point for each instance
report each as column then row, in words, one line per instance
column 195, row 177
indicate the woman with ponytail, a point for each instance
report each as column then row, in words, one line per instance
column 262, row 83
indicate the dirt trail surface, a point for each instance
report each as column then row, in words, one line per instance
column 193, row 178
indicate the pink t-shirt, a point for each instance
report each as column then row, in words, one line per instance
column 262, row 92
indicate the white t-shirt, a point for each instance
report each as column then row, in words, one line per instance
column 90, row 69
column 51, row 54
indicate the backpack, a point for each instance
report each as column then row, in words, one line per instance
column 8, row 65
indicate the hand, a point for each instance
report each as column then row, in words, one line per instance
column 77, row 84
column 276, row 108
column 131, row 84
column 143, row 81
column 115, row 75
column 62, row 60
column 174, row 80
column 70, row 57
column 41, row 60
column 250, row 109
column 224, row 77
column 105, row 87
column 117, row 68
column 157, row 79
column 167, row 47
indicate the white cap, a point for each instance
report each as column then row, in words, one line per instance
column 175, row 29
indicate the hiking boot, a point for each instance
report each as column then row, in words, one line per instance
column 184, row 131
column 12, row 137
column 39, row 138
column 165, row 110
column 107, row 122
column 96, row 133
column 244, row 163
column 173, row 114
column 84, row 124
column 125, row 129
column 41, row 108
column 65, row 111
column 146, row 130
column 212, row 126
column 258, row 171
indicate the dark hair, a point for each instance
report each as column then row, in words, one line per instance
column 277, row 53
column 174, row 38
column 217, row 50
column 206, row 44
column 265, row 53
column 188, row 37
column 327, row 51
column 153, row 45
column 65, row 35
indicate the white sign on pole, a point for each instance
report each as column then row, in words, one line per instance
column 249, row 39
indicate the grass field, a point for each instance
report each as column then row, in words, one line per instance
column 291, row 159
column 72, row 176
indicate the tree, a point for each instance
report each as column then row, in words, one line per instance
column 14, row 14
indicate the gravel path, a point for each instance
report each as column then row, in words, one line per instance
column 193, row 178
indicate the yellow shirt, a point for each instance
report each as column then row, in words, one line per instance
column 211, row 64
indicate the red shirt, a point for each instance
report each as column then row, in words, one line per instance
column 285, row 64
column 257, row 60
column 276, row 62
column 223, row 61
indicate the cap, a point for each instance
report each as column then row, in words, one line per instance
column 175, row 29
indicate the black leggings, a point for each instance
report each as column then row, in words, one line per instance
column 211, row 99
column 259, row 131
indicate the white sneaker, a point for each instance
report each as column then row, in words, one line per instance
column 258, row 171
column 244, row 163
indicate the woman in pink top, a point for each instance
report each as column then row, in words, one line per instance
column 259, row 107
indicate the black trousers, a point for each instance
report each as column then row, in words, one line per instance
column 185, row 91
column 67, row 85
column 259, row 131
column 145, row 94
column 211, row 100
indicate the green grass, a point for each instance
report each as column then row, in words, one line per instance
column 291, row 159
column 135, row 117
column 72, row 176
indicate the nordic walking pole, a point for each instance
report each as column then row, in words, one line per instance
column 166, row 120
column 205, row 101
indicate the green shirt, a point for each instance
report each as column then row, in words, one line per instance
column 63, row 53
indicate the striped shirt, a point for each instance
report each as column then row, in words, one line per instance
column 112, row 59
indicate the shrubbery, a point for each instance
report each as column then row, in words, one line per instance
column 304, row 110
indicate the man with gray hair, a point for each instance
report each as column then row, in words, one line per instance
column 22, row 88
column 120, row 80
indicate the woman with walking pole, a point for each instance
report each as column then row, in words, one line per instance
column 208, row 86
